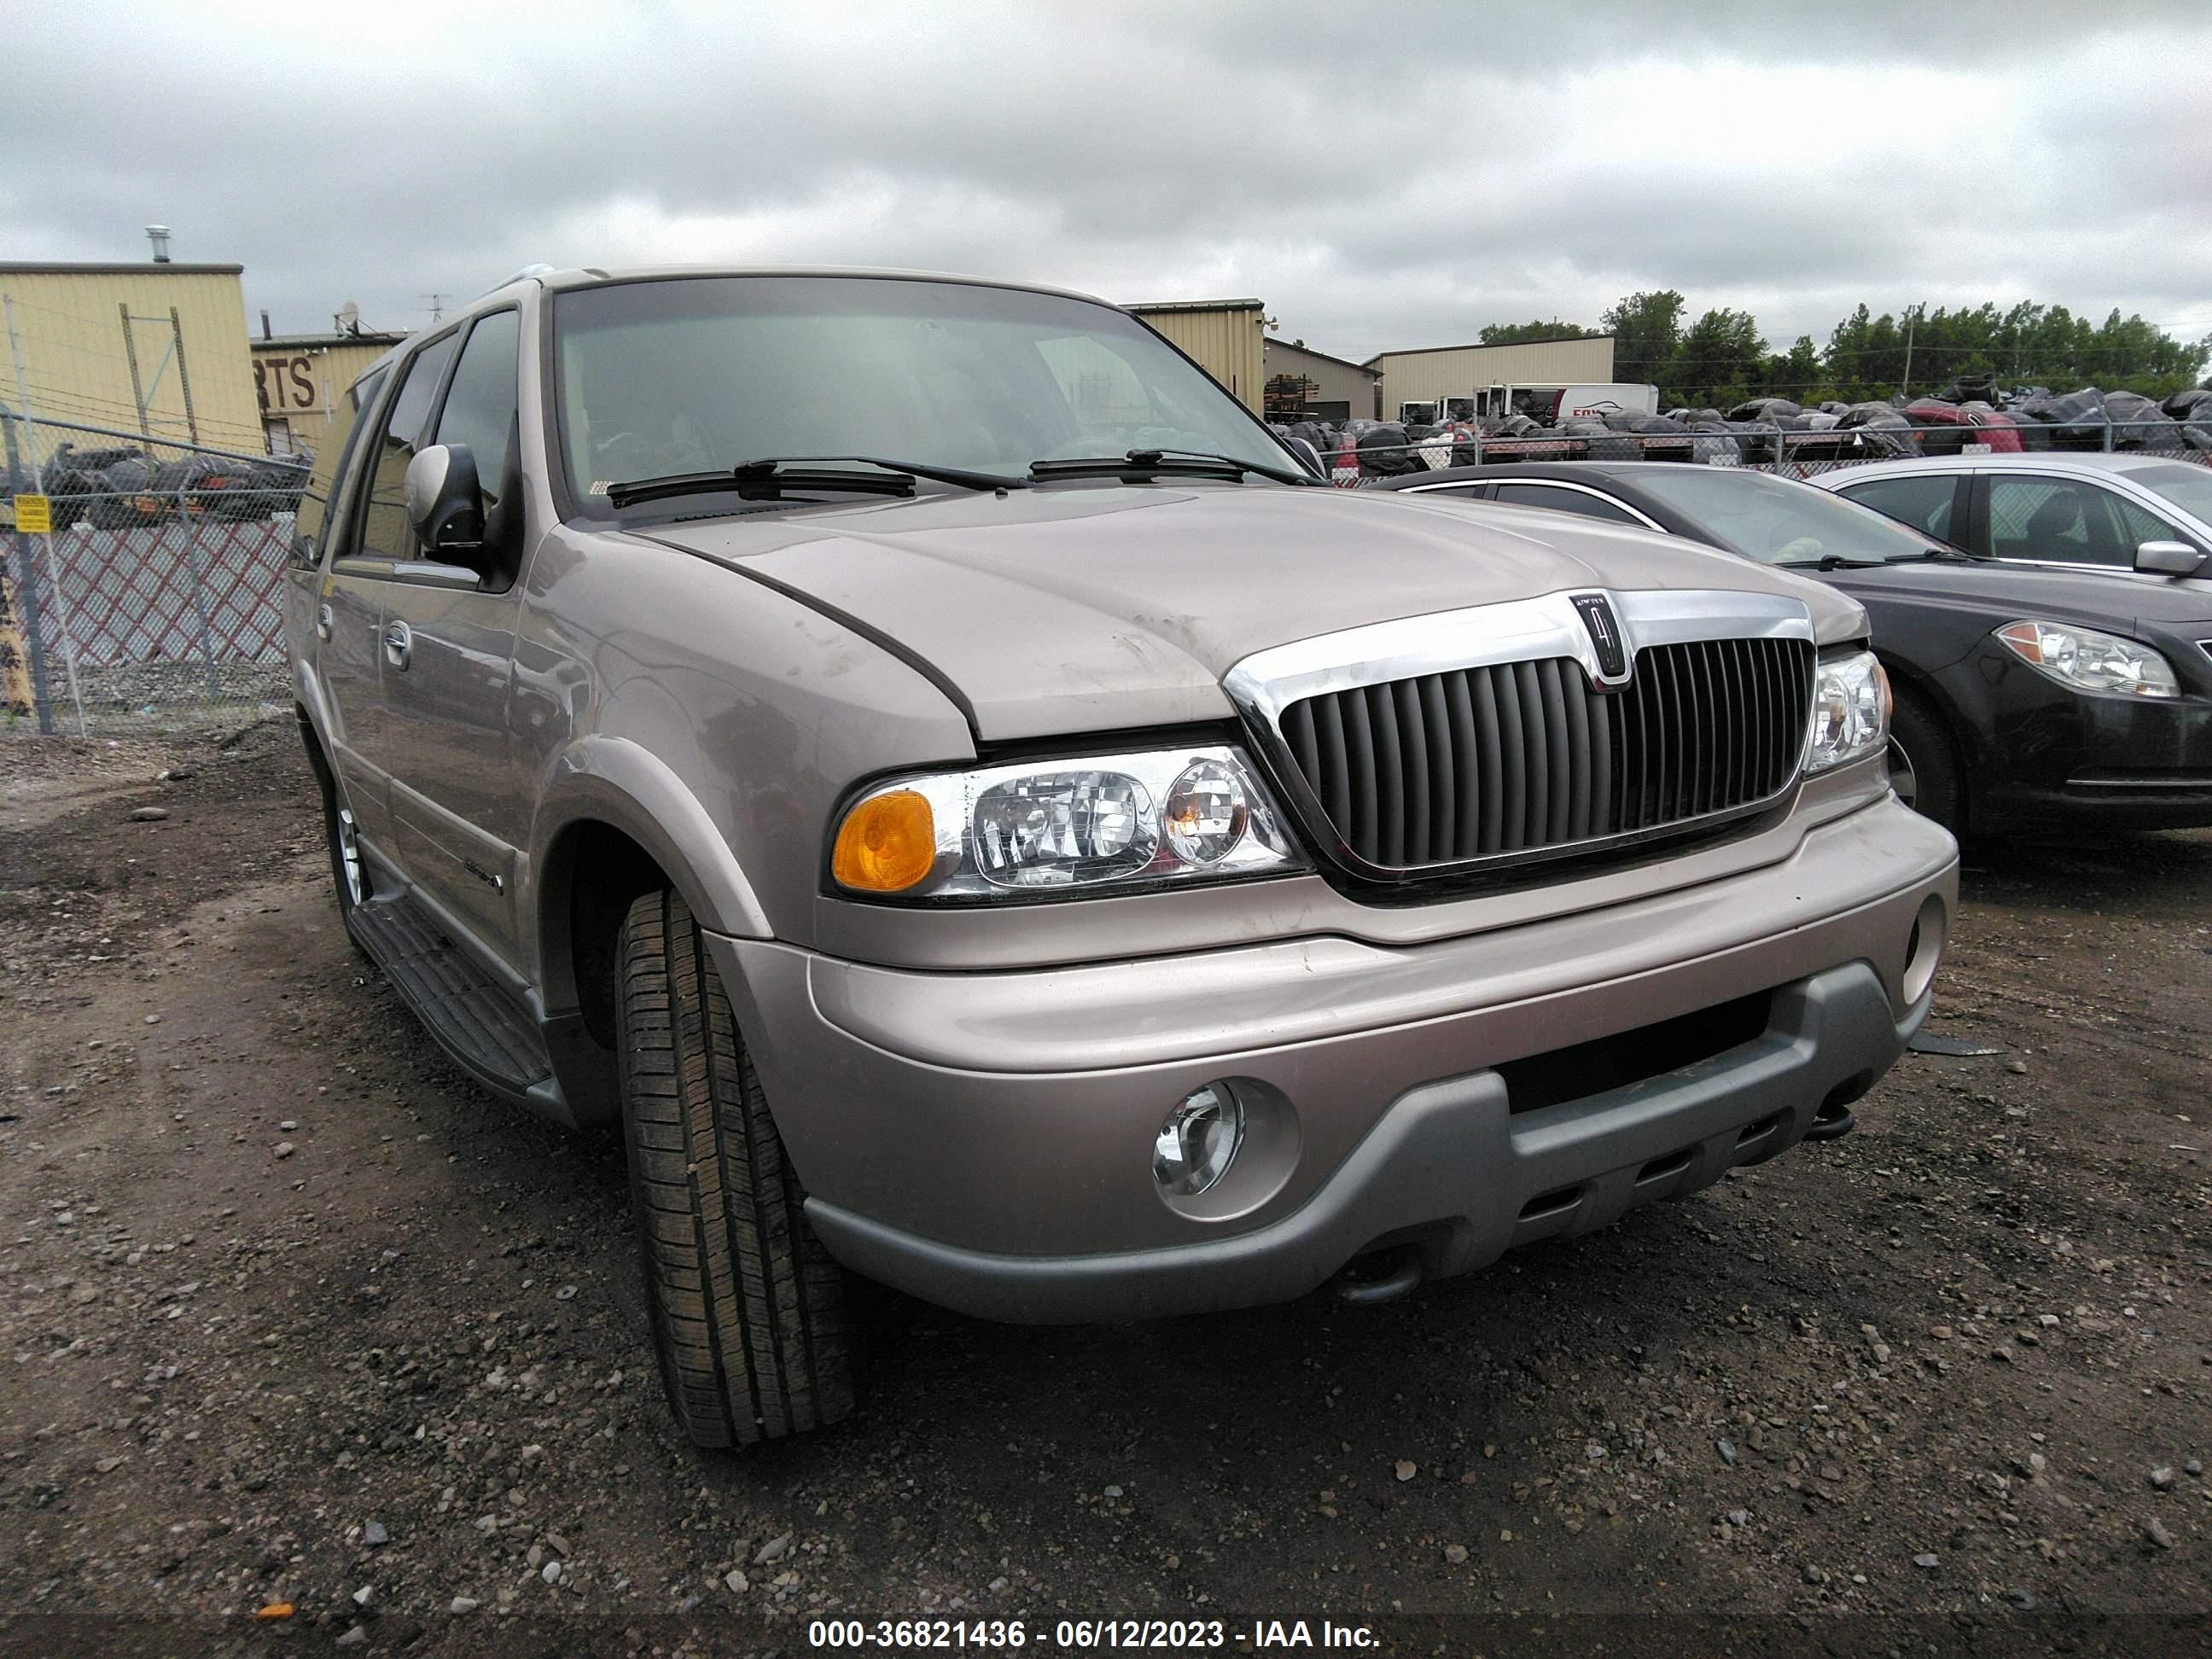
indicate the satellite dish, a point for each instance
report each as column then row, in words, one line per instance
column 349, row 317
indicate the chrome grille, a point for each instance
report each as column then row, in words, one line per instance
column 1529, row 758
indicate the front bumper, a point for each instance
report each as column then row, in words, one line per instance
column 2059, row 758
column 983, row 1141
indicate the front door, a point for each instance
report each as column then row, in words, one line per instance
column 448, row 663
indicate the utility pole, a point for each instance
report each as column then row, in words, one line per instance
column 1911, row 317
column 183, row 381
column 19, row 599
column 27, row 546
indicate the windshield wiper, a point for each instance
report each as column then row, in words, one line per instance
column 1141, row 466
column 765, row 480
column 1944, row 553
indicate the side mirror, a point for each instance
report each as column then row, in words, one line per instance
column 1306, row 452
column 2168, row 559
column 445, row 503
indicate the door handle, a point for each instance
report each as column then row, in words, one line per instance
column 322, row 621
column 397, row 643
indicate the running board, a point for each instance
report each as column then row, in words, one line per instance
column 475, row 1019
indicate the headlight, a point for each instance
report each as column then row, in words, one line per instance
column 1850, row 711
column 2089, row 661
column 1107, row 823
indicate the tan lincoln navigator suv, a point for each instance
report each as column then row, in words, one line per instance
column 980, row 815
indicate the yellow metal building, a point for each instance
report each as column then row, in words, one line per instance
column 301, row 379
column 1227, row 338
column 154, row 349
column 1304, row 382
column 1430, row 373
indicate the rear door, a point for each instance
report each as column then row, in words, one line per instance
column 355, row 589
column 345, row 609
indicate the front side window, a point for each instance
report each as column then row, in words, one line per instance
column 2067, row 520
column 1924, row 503
column 480, row 404
column 1565, row 500
column 700, row 374
column 384, row 531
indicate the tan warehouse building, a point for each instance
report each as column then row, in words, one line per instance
column 1432, row 372
column 299, row 378
column 157, row 349
column 1303, row 383
column 1227, row 338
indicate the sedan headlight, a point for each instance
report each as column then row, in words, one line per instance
column 2087, row 661
column 1850, row 711
column 1106, row 823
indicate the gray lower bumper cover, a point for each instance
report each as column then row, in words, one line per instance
column 1450, row 1167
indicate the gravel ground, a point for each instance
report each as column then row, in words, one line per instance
column 293, row 1315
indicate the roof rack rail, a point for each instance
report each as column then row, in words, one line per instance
column 522, row 275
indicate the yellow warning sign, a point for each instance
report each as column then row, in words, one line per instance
column 34, row 514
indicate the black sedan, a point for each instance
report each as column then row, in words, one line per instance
column 2025, row 698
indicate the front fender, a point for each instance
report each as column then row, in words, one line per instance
column 615, row 781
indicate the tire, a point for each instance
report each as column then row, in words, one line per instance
column 1924, row 763
column 748, row 1314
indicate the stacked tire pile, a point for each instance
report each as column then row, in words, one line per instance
column 122, row 489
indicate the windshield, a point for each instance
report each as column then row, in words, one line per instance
column 1778, row 522
column 2189, row 488
column 697, row 374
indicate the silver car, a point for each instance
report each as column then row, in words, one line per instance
column 979, row 813
column 2138, row 514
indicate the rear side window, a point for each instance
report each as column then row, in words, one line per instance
column 1925, row 503
column 340, row 439
column 384, row 533
column 480, row 404
column 1565, row 500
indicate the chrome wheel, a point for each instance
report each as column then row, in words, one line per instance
column 1901, row 776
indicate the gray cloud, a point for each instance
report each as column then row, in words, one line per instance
column 1379, row 178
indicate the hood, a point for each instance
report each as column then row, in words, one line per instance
column 1078, row 608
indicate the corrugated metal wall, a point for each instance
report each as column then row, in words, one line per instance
column 1337, row 381
column 302, row 381
column 78, row 368
column 1228, row 341
column 1456, row 371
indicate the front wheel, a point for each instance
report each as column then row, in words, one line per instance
column 748, row 1309
column 1924, row 767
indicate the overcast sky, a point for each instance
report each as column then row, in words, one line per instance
column 1379, row 175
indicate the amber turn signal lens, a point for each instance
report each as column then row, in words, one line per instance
column 886, row 844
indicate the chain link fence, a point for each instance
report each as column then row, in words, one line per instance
column 153, row 602
column 1363, row 453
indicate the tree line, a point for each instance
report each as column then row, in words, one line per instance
column 1720, row 358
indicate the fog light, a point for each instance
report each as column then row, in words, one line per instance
column 1199, row 1141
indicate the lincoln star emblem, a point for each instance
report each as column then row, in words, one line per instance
column 1605, row 634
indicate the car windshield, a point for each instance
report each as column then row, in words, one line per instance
column 699, row 374
column 1776, row 521
column 2189, row 488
